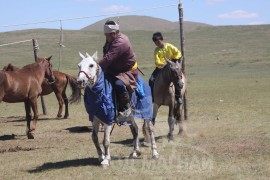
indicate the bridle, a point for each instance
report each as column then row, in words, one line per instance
column 90, row 79
column 51, row 78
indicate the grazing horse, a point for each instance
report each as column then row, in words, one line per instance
column 24, row 85
column 58, row 86
column 164, row 95
column 100, row 107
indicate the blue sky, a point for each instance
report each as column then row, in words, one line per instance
column 214, row 12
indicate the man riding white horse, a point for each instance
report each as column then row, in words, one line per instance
column 120, row 64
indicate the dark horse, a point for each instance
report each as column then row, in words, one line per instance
column 164, row 95
column 58, row 86
column 24, row 85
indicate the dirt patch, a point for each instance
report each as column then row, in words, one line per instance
column 16, row 149
column 243, row 146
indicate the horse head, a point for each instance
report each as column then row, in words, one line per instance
column 46, row 64
column 174, row 69
column 88, row 70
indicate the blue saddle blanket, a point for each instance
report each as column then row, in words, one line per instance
column 99, row 100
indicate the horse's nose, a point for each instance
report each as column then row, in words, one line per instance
column 80, row 82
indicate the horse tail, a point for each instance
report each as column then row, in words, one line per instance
column 76, row 91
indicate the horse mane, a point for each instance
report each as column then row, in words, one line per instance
column 166, row 71
column 10, row 67
column 30, row 66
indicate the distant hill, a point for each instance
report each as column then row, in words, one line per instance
column 226, row 49
column 146, row 23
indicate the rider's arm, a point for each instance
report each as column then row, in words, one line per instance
column 175, row 53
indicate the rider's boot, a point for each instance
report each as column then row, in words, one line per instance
column 124, row 110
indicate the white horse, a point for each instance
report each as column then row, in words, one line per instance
column 96, row 86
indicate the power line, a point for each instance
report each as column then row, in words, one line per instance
column 15, row 42
column 88, row 17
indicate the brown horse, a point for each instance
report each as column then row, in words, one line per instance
column 58, row 84
column 24, row 85
column 164, row 95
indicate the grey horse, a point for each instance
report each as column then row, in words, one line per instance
column 164, row 95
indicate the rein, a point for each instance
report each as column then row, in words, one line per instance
column 88, row 77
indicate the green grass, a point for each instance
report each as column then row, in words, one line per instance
column 228, row 71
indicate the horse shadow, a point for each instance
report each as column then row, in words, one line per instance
column 71, row 163
column 7, row 137
column 129, row 142
column 65, row 164
column 80, row 129
column 126, row 142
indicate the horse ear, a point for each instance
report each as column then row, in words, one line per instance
column 87, row 55
column 82, row 56
column 167, row 60
column 94, row 56
column 49, row 58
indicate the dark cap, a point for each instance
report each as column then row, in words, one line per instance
column 157, row 36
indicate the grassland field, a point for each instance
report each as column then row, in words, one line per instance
column 228, row 72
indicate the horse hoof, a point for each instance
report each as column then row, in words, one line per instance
column 101, row 158
column 156, row 156
column 105, row 163
column 30, row 136
column 133, row 155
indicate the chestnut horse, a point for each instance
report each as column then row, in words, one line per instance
column 24, row 85
column 58, row 84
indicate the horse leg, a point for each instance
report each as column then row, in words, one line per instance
column 146, row 134
column 171, row 122
column 183, row 116
column 95, row 125
column 145, row 131
column 106, row 144
column 155, row 111
column 34, row 106
column 136, row 149
column 60, row 103
column 182, row 125
column 28, row 119
column 150, row 128
column 64, row 96
column 2, row 94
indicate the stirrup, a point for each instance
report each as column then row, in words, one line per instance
column 123, row 116
column 126, row 113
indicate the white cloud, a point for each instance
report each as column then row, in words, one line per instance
column 238, row 14
column 256, row 23
column 116, row 8
column 215, row 1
